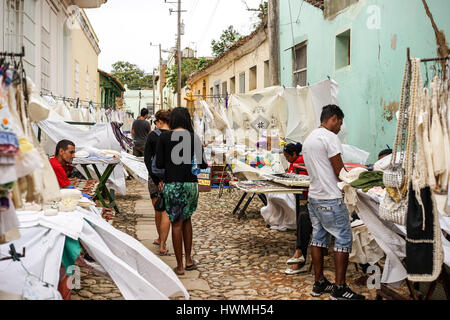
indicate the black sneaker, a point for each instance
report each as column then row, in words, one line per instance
column 321, row 287
column 343, row 292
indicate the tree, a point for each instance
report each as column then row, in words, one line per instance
column 188, row 66
column 131, row 75
column 202, row 62
column 229, row 37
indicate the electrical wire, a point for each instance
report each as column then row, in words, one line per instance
column 209, row 23
column 299, row 12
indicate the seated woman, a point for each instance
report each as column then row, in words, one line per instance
column 280, row 213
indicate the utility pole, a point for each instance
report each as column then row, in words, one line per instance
column 179, row 11
column 274, row 42
column 153, row 79
column 160, row 79
column 140, row 96
column 179, row 56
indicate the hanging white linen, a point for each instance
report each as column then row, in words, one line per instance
column 250, row 113
column 305, row 107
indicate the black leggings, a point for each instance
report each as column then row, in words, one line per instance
column 304, row 230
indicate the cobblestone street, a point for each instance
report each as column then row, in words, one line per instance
column 237, row 259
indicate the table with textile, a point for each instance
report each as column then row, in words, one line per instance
column 261, row 187
column 389, row 237
column 111, row 163
column 52, row 240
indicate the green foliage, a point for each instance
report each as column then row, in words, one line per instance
column 202, row 62
column 262, row 14
column 229, row 37
column 188, row 66
column 263, row 10
column 131, row 75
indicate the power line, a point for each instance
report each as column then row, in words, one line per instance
column 209, row 22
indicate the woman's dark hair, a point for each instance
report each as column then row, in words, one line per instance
column 291, row 148
column 180, row 118
column 384, row 152
column 163, row 115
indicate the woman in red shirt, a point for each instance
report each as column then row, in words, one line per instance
column 292, row 154
column 304, row 226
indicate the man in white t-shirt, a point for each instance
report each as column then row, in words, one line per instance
column 322, row 152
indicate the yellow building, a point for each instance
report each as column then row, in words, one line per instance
column 243, row 68
column 85, row 51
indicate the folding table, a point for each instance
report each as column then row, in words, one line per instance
column 103, row 178
column 260, row 187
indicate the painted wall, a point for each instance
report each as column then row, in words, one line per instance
column 43, row 25
column 223, row 73
column 84, row 53
column 243, row 64
column 131, row 100
column 369, row 89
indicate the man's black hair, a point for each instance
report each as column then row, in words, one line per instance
column 384, row 152
column 329, row 111
column 144, row 112
column 180, row 118
column 63, row 144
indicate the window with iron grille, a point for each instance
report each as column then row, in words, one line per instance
column 299, row 65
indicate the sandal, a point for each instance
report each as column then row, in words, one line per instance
column 164, row 253
column 156, row 242
column 191, row 267
column 178, row 273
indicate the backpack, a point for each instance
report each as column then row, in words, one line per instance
column 156, row 171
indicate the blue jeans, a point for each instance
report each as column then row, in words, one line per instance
column 330, row 217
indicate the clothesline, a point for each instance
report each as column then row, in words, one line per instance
column 78, row 100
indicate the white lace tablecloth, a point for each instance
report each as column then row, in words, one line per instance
column 106, row 160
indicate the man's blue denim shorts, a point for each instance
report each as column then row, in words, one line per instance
column 330, row 217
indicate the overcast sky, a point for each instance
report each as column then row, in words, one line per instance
column 125, row 28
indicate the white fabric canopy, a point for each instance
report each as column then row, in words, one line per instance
column 137, row 272
column 98, row 136
column 136, row 166
column 43, row 254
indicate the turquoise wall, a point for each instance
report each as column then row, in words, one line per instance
column 369, row 89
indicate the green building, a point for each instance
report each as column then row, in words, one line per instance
column 361, row 44
column 110, row 89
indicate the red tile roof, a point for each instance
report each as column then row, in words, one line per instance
column 316, row 3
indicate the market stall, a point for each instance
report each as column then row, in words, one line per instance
column 42, row 226
column 408, row 209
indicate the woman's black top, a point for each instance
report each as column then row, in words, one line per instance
column 170, row 155
column 150, row 151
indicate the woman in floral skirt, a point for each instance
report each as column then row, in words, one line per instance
column 177, row 152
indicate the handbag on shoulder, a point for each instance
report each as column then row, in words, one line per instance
column 159, row 205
